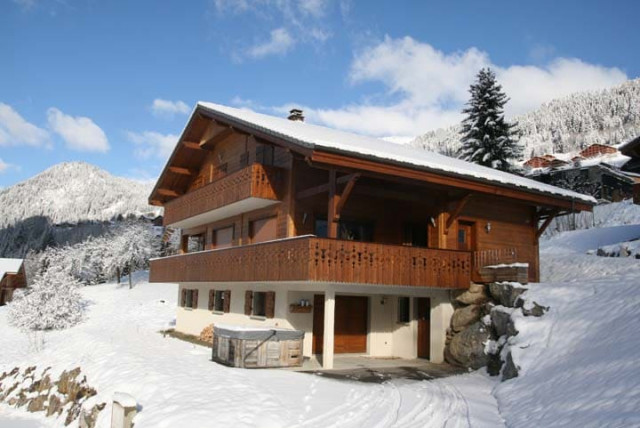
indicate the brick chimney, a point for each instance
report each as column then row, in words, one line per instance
column 296, row 114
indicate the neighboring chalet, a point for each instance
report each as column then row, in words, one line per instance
column 11, row 277
column 632, row 168
column 594, row 171
column 355, row 241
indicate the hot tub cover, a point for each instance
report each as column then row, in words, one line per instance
column 256, row 333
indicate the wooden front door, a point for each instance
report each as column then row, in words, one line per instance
column 465, row 236
column 423, row 310
column 351, row 320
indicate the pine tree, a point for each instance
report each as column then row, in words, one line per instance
column 487, row 139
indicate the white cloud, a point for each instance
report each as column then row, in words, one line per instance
column 161, row 107
column 424, row 88
column 4, row 166
column 25, row 4
column 79, row 133
column 297, row 21
column 152, row 144
column 15, row 131
column 279, row 43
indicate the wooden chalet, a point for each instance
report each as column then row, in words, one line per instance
column 12, row 277
column 355, row 241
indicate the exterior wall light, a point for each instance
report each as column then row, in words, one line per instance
column 488, row 227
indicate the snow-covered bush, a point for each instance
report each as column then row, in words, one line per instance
column 52, row 302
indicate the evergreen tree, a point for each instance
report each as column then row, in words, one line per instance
column 487, row 139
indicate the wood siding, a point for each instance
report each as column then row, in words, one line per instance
column 320, row 260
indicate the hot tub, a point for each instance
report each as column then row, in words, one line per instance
column 251, row 347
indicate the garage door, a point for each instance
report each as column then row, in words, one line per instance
column 350, row 334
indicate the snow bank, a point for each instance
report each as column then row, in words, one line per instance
column 579, row 362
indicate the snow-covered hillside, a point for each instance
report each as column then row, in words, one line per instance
column 74, row 192
column 610, row 116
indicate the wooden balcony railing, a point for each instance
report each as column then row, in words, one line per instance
column 255, row 180
column 309, row 258
column 492, row 257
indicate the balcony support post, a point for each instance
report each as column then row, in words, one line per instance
column 332, row 221
column 329, row 328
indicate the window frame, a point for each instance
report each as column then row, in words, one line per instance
column 263, row 297
column 403, row 315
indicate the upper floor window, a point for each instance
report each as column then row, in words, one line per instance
column 347, row 230
column 415, row 235
column 264, row 229
column 196, row 243
column 223, row 237
column 265, row 154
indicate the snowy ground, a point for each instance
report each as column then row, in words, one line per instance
column 580, row 364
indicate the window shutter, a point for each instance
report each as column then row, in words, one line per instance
column 212, row 297
column 183, row 298
column 194, row 299
column 270, row 304
column 248, row 302
column 227, row 301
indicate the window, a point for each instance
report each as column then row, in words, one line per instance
column 223, row 238
column 403, row 310
column 260, row 303
column 415, row 235
column 347, row 230
column 263, row 230
column 219, row 300
column 189, row 299
column 195, row 243
column 265, row 154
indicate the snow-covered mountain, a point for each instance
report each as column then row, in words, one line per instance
column 74, row 192
column 610, row 116
column 66, row 204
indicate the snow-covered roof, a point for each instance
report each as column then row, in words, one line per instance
column 9, row 266
column 319, row 137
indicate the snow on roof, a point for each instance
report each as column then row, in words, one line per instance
column 320, row 137
column 9, row 266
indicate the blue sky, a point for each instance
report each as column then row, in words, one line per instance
column 112, row 82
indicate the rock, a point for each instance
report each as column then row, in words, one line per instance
column 473, row 296
column 536, row 311
column 466, row 316
column 88, row 418
column 494, row 364
column 503, row 323
column 37, row 404
column 467, row 347
column 510, row 369
column 55, row 405
column 206, row 335
column 506, row 293
column 66, row 378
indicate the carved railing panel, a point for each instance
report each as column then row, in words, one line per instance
column 253, row 181
column 322, row 260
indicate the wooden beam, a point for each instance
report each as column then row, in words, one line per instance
column 323, row 188
column 546, row 224
column 332, row 223
column 191, row 145
column 333, row 160
column 456, row 212
column 156, row 202
column 181, row 171
column 168, row 192
column 216, row 138
column 345, row 194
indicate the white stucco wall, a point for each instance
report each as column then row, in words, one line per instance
column 386, row 337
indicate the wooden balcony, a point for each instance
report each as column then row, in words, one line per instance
column 308, row 258
column 252, row 187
